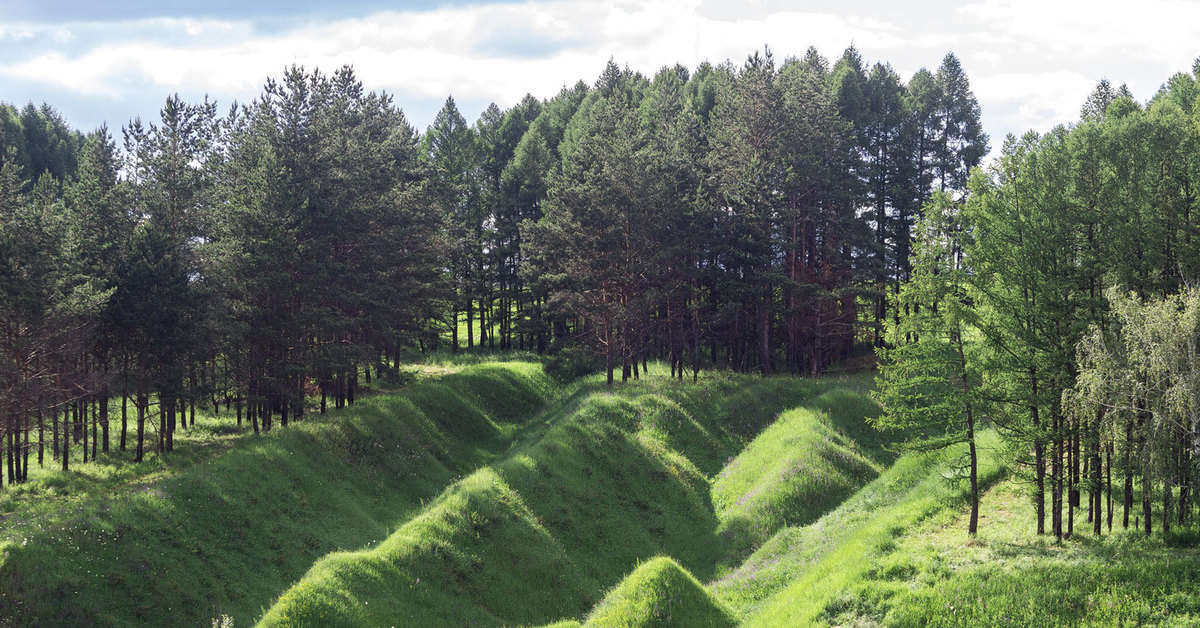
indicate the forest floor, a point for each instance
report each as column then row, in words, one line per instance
column 471, row 492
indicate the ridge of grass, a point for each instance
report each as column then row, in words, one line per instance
column 797, row 469
column 228, row 532
column 606, row 482
column 799, row 572
column 661, row 594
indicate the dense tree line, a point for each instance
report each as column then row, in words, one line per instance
column 745, row 215
column 260, row 260
column 1055, row 302
column 245, row 262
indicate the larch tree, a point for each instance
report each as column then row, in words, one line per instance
column 930, row 378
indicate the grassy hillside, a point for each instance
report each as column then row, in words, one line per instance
column 663, row 594
column 800, row 467
column 227, row 532
column 454, row 502
column 614, row 479
column 794, row 577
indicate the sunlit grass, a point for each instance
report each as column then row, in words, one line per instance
column 660, row 593
column 792, row 578
column 225, row 523
column 609, row 480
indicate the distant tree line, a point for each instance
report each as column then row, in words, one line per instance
column 260, row 260
column 1057, row 301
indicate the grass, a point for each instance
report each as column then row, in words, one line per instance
column 660, row 593
column 897, row 554
column 802, row 570
column 608, row 481
column 453, row 502
column 224, row 530
column 1009, row 576
column 800, row 467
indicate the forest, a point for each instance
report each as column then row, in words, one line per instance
column 263, row 262
column 753, row 217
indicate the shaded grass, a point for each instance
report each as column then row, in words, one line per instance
column 660, row 593
column 169, row 544
column 611, row 479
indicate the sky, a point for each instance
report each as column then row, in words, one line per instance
column 1031, row 63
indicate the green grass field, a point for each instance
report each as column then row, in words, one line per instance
column 225, row 528
column 490, row 494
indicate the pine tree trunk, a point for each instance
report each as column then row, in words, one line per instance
column 95, row 431
column 1056, row 476
column 1039, row 457
column 1108, row 477
column 25, row 448
column 83, row 421
column 141, row 403
column 470, row 324
column 10, row 429
column 609, row 359
column 41, row 427
column 124, row 400
column 764, row 334
column 1072, row 477
column 66, row 439
column 1128, row 505
column 104, row 417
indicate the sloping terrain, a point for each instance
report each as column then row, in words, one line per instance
column 1009, row 576
column 739, row 501
column 228, row 534
column 660, row 593
column 800, row 467
column 613, row 480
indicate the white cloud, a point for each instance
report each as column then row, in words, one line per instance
column 479, row 52
column 1162, row 31
column 1031, row 62
column 1040, row 100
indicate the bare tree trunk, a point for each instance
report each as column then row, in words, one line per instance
column 104, row 416
column 1039, row 457
column 1108, row 478
column 41, row 437
column 124, row 400
column 141, row 402
column 66, row 438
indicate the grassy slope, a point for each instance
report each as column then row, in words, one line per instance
column 794, row 577
column 228, row 532
column 800, row 467
column 618, row 478
column 660, row 593
column 796, row 469
column 897, row 554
